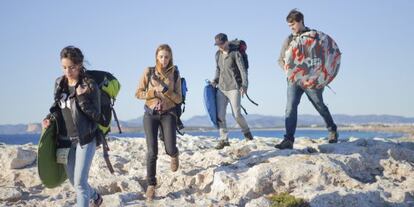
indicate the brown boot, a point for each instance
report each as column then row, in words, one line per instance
column 174, row 163
column 222, row 144
column 285, row 144
column 150, row 192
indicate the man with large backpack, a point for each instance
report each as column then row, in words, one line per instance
column 298, row 86
column 232, row 83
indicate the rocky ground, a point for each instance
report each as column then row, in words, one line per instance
column 355, row 172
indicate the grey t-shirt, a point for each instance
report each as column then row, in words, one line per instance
column 67, row 115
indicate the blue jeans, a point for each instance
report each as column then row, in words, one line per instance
column 294, row 94
column 79, row 162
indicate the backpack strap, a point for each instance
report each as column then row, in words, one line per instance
column 105, row 149
column 251, row 100
column 245, row 111
column 176, row 74
column 149, row 75
column 217, row 57
column 116, row 117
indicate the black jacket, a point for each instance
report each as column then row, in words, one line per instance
column 85, row 108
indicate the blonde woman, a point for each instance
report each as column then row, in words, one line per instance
column 160, row 87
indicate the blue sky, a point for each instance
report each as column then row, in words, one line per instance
column 375, row 38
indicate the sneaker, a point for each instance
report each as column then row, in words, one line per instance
column 222, row 144
column 285, row 144
column 248, row 136
column 174, row 163
column 333, row 137
column 97, row 202
column 150, row 192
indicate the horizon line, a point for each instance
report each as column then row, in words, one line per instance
column 408, row 117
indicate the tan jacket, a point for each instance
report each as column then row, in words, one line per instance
column 153, row 95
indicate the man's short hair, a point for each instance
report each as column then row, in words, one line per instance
column 295, row 15
column 220, row 39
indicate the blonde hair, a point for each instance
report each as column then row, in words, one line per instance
column 168, row 49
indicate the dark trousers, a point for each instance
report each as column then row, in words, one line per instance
column 294, row 94
column 167, row 123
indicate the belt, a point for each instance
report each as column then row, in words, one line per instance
column 77, row 138
column 157, row 112
column 74, row 139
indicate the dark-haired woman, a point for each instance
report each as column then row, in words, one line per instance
column 160, row 87
column 76, row 109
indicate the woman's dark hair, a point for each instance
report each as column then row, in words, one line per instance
column 295, row 15
column 74, row 54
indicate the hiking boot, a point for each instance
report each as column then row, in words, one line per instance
column 222, row 144
column 150, row 192
column 97, row 202
column 333, row 137
column 175, row 163
column 248, row 136
column 285, row 144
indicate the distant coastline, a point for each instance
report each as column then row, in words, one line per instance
column 398, row 128
column 386, row 123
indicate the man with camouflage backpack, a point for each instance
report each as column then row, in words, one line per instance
column 297, row 88
column 232, row 83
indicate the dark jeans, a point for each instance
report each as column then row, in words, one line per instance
column 294, row 94
column 168, row 124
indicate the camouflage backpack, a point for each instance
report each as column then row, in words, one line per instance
column 313, row 56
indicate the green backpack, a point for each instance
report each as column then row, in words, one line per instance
column 110, row 88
